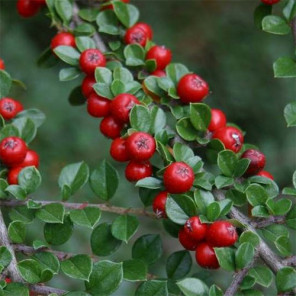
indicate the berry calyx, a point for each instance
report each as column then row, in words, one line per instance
column 9, row 108
column 257, row 163
column 158, row 73
column 136, row 34
column 192, row 88
column 186, row 241
column 2, row 65
column 231, row 137
column 178, row 177
column 118, row 150
column 121, row 106
column 110, row 127
column 12, row 176
column 98, row 106
column 158, row 204
column 265, row 174
column 195, row 229
column 205, row 256
column 161, row 55
column 13, row 151
column 31, row 159
column 270, row 2
column 218, row 120
column 136, row 171
column 63, row 38
column 140, row 146
column 221, row 234
column 27, row 8
column 87, row 86
column 90, row 59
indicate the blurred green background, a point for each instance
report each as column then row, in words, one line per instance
column 216, row 39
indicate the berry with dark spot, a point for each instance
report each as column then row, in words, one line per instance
column 9, row 108
column 90, row 59
column 137, row 34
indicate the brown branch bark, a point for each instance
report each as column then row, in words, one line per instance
column 105, row 208
column 4, row 240
column 268, row 221
column 290, row 261
column 45, row 290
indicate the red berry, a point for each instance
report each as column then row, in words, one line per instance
column 121, row 106
column 118, row 150
column 63, row 38
column 186, row 241
column 7, row 280
column 9, row 108
column 270, row 2
column 41, row 2
column 140, row 146
column 158, row 73
column 136, row 34
column 178, row 177
column 110, row 127
column 221, row 234
column 31, row 159
column 146, row 28
column 27, row 8
column 265, row 174
column 195, row 229
column 98, row 106
column 13, row 151
column 257, row 161
column 2, row 65
column 205, row 256
column 110, row 6
column 87, row 86
column 218, row 120
column 161, row 55
column 12, row 176
column 159, row 204
column 136, row 171
column 192, row 88
column 231, row 137
column 90, row 59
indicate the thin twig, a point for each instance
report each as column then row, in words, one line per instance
column 103, row 207
column 290, row 261
column 4, row 241
column 45, row 290
column 268, row 221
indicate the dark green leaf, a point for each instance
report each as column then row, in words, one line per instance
column 186, row 130
column 203, row 199
column 176, row 71
column 290, row 113
column 152, row 288
column 244, row 255
column 140, row 118
column 127, row 14
column 275, row 25
column 17, row 232
column 5, row 256
column 286, row 279
column 76, row 97
column 256, row 195
column 226, row 258
column 249, row 237
column 85, row 29
column 30, row 270
column 26, row 127
column 227, row 162
column 102, row 241
column 68, row 74
column 134, row 270
column 5, row 83
column 67, row 54
column 200, row 116
column 77, row 267
column 88, row 14
column 86, row 217
column 178, row 265
column 124, row 227
column 52, row 213
column 284, row 67
column 283, row 245
column 108, row 22
column 193, row 287
column 134, row 55
column 262, row 274
column 260, row 12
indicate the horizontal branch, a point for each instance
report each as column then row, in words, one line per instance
column 69, row 205
column 290, row 261
column 45, row 290
column 268, row 221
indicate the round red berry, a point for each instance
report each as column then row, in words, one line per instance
column 221, row 234
column 2, row 65
column 31, row 159
column 63, row 38
column 110, row 6
column 257, row 163
column 136, row 171
column 158, row 73
column 186, row 241
column 178, row 177
column 146, row 28
column 9, row 108
column 27, row 8
column 265, row 174
column 118, row 150
column 158, row 204
column 121, row 106
column 161, row 55
column 12, row 176
column 205, row 256
column 218, row 120
column 192, row 88
column 90, row 59
column 231, row 137
column 140, row 146
column 270, row 2
column 13, row 151
column 195, row 229
column 136, row 34
column 7, row 280
column 87, row 86
column 110, row 127
column 98, row 106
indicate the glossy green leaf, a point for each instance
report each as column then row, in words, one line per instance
column 30, row 270
column 286, row 279
column 200, row 116
column 249, row 237
column 226, row 258
column 140, row 118
column 67, row 54
column 17, row 232
column 134, row 270
column 176, row 71
column 256, row 195
column 108, row 22
column 152, row 288
column 5, row 83
column 64, row 9
column 26, row 127
column 186, row 130
column 262, row 274
column 275, row 25
column 5, row 256
column 127, row 14
column 134, row 55
column 68, row 74
column 290, row 113
column 282, row 243
column 227, row 162
column 193, row 287
column 284, row 67
column 51, row 213
column 178, row 265
column 77, row 267
column 124, row 227
column 244, row 255
column 86, row 217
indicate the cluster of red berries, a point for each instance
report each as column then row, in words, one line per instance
column 29, row 8
column 200, row 237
